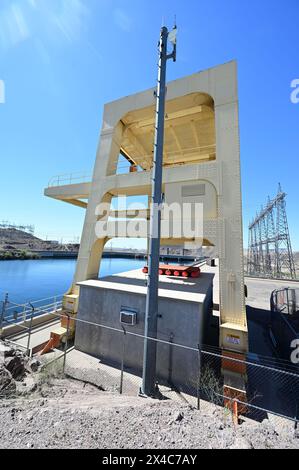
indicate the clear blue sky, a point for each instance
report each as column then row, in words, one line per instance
column 61, row 60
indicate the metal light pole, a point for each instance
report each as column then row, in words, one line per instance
column 151, row 311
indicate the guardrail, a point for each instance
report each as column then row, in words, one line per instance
column 82, row 177
column 13, row 313
column 69, row 178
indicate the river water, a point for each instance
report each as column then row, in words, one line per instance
column 31, row 280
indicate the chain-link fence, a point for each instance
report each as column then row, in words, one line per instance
column 285, row 301
column 193, row 373
column 284, row 321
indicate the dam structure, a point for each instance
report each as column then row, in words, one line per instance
column 201, row 164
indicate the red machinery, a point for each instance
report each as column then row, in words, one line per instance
column 177, row 271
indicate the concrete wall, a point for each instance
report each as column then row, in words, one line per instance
column 181, row 322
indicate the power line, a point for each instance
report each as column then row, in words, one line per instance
column 24, row 228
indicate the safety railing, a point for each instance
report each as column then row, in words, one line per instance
column 77, row 178
column 69, row 178
column 13, row 313
column 285, row 301
column 123, row 167
column 172, row 158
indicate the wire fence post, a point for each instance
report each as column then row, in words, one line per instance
column 122, row 362
column 66, row 342
column 296, row 417
column 198, row 377
column 30, row 328
column 4, row 304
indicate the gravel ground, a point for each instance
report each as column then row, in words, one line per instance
column 64, row 413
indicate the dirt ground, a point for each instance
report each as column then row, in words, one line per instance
column 66, row 413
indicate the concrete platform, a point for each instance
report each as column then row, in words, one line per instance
column 176, row 288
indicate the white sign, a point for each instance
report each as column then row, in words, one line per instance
column 232, row 339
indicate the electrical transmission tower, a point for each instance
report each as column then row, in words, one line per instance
column 269, row 245
column 24, row 228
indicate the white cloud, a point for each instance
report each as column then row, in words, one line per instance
column 53, row 18
column 32, row 3
column 71, row 19
column 122, row 20
column 13, row 26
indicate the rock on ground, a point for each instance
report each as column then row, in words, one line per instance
column 15, row 370
column 64, row 413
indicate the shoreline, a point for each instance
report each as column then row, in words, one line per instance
column 112, row 255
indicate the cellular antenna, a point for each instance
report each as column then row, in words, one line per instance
column 148, row 387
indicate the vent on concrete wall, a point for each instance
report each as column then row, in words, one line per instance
column 194, row 190
column 128, row 316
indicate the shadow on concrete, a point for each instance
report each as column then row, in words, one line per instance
column 275, row 390
column 258, row 332
column 197, row 285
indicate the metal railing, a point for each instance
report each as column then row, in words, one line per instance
column 23, row 315
column 83, row 177
column 69, row 178
column 285, row 301
column 173, row 158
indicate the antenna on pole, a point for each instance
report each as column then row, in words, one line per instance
column 172, row 37
column 148, row 387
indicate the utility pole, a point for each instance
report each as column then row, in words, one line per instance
column 151, row 311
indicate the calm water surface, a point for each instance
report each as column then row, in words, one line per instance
column 31, row 280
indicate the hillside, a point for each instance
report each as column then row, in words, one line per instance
column 16, row 237
column 18, row 244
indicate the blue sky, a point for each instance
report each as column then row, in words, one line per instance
column 61, row 60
